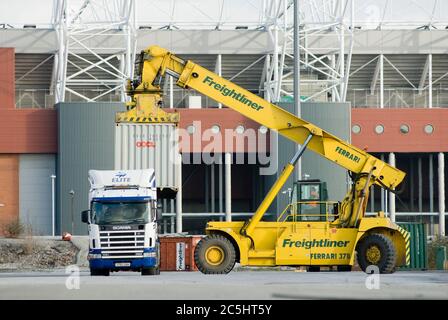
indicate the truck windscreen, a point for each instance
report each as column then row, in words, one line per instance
column 104, row 213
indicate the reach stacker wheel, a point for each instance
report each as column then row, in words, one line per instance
column 378, row 250
column 215, row 254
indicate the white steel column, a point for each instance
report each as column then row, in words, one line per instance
column 212, row 189
column 220, row 193
column 53, row 205
column 420, row 184
column 441, row 194
column 219, row 71
column 391, row 194
column 430, row 80
column 172, row 210
column 228, row 188
column 381, row 66
column 171, row 93
column 431, row 192
column 296, row 89
column 179, row 196
column 382, row 192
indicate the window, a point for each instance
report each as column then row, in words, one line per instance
column 120, row 212
column 215, row 129
column 379, row 129
column 263, row 130
column 191, row 129
column 429, row 129
column 240, row 129
column 356, row 129
column 309, row 192
column 404, row 128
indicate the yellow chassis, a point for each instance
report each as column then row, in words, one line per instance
column 307, row 243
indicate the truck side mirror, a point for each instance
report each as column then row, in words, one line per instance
column 159, row 212
column 85, row 216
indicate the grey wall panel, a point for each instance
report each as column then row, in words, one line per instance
column 86, row 141
column 35, row 172
column 332, row 117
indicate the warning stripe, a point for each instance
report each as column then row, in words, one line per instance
column 407, row 236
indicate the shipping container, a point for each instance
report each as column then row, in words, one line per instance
column 177, row 252
column 146, row 146
column 418, row 246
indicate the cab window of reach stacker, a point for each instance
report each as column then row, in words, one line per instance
column 309, row 192
column 310, row 208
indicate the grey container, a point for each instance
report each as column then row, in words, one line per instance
column 146, row 146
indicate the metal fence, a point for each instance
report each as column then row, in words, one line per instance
column 45, row 99
column 398, row 98
column 180, row 98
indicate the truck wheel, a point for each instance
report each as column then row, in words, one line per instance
column 99, row 272
column 215, row 254
column 150, row 271
column 95, row 272
column 378, row 250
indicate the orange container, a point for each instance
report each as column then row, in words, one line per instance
column 177, row 252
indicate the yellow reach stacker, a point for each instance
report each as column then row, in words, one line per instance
column 311, row 231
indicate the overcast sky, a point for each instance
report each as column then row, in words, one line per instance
column 191, row 12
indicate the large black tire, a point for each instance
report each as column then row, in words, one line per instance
column 377, row 249
column 151, row 271
column 95, row 272
column 215, row 254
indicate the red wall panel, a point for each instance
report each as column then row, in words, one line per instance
column 28, row 131
column 392, row 140
column 230, row 141
column 7, row 81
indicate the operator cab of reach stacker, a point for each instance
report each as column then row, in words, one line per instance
column 309, row 202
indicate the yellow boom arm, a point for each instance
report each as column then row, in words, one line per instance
column 368, row 170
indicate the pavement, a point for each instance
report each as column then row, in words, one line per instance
column 237, row 285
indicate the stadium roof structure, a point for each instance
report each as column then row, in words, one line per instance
column 380, row 52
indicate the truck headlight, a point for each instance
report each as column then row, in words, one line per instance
column 149, row 254
column 91, row 256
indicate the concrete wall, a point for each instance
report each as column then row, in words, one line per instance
column 86, row 141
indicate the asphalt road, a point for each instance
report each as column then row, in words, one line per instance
column 235, row 285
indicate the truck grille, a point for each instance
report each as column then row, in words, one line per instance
column 122, row 244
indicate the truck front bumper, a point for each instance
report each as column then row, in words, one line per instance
column 123, row 264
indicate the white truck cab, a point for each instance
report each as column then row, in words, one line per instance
column 122, row 222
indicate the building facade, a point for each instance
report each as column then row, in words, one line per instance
column 397, row 89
